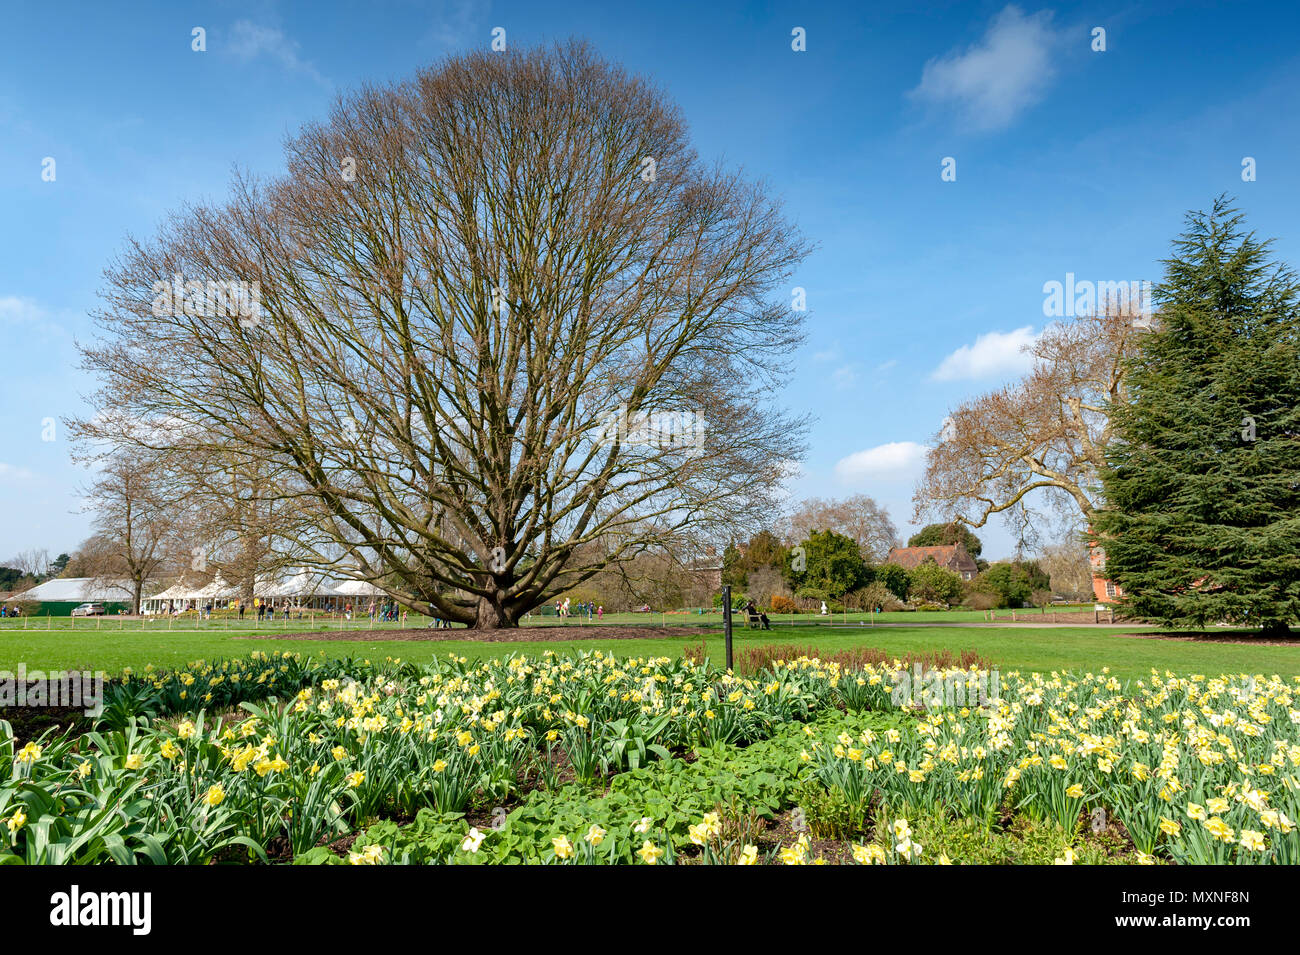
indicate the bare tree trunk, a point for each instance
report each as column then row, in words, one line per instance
column 493, row 613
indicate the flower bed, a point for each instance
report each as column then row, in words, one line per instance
column 592, row 758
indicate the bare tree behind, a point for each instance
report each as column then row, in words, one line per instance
column 858, row 516
column 510, row 329
column 232, row 521
column 1046, row 433
column 1067, row 565
column 33, row 563
column 133, row 522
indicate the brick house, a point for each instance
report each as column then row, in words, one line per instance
column 1106, row 591
column 949, row 556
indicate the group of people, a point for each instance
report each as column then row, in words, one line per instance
column 266, row 611
column 585, row 608
column 387, row 612
column 10, row 612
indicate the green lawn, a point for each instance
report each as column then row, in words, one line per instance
column 229, row 622
column 1023, row 648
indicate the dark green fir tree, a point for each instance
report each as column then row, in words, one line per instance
column 1202, row 516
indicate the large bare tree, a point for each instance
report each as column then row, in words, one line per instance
column 857, row 516
column 1045, row 433
column 509, row 329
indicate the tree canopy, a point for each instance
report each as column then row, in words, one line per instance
column 857, row 516
column 935, row 535
column 1202, row 489
column 1039, row 440
column 829, row 562
column 930, row 582
column 497, row 328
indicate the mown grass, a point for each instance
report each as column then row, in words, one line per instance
column 229, row 622
column 1011, row 648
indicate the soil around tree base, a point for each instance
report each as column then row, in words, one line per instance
column 512, row 635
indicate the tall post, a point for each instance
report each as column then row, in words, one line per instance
column 726, row 621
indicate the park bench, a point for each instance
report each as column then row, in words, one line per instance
column 753, row 621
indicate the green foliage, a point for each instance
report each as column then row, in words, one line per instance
column 89, row 808
column 9, row 578
column 732, row 574
column 896, row 578
column 760, row 779
column 319, row 855
column 1009, row 583
column 833, row 565
column 937, row 535
column 829, row 813
column 434, row 837
column 763, row 550
column 930, row 582
column 672, row 794
column 1203, row 507
column 219, row 685
column 968, row 841
column 388, row 739
column 1038, row 578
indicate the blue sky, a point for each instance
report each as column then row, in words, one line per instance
column 920, row 292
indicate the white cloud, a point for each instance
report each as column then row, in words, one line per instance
column 17, row 310
column 456, row 19
column 249, row 40
column 898, row 459
column 844, row 377
column 25, row 313
column 828, row 354
column 886, row 365
column 992, row 81
column 991, row 355
column 11, row 473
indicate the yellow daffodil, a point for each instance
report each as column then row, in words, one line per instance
column 650, row 853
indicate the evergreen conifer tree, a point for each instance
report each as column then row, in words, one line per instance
column 1201, row 522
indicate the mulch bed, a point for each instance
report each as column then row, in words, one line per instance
column 784, row 831
column 30, row 722
column 519, row 635
column 1228, row 636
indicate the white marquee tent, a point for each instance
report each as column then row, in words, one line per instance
column 359, row 588
column 76, row 590
column 305, row 590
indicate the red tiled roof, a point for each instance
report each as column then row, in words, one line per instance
column 944, row 555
